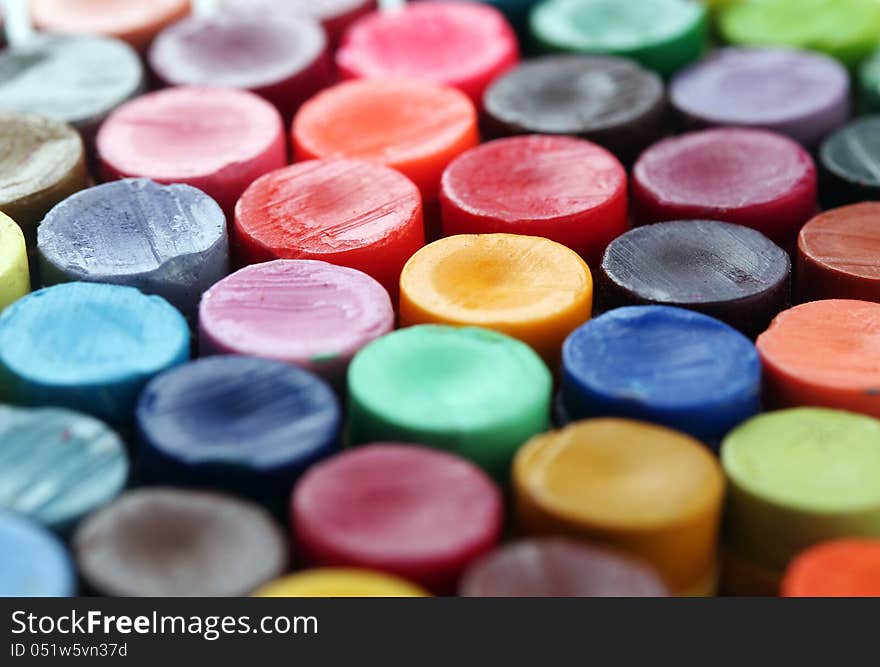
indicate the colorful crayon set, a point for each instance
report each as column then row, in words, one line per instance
column 503, row 298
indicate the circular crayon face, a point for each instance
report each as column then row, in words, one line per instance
column 839, row 568
column 58, row 466
column 41, row 163
column 755, row 178
column 472, row 391
column 728, row 271
column 416, row 127
column 611, row 101
column 662, row 35
column 663, row 365
column 239, row 424
column 868, row 80
column 134, row 21
column 334, row 15
column 340, row 582
column 458, row 44
column 799, row 93
column 557, row 567
column 33, row 562
column 284, row 60
column 171, row 542
column 15, row 279
column 89, row 347
column 845, row 29
column 347, row 212
column 216, row 139
column 823, row 353
column 309, row 313
column 652, row 491
column 55, row 77
column 801, row 476
column 499, row 281
column 565, row 189
column 839, row 254
column 411, row 511
column 166, row 240
column 849, row 159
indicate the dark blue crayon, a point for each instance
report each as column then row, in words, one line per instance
column 240, row 424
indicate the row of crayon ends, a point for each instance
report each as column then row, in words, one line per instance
column 128, row 469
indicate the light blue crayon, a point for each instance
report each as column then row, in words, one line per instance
column 33, row 562
column 89, row 347
column 57, row 466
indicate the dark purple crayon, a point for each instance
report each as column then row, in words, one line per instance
column 802, row 94
column 611, row 101
column 730, row 272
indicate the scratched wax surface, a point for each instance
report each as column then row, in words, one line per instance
column 57, row 465
column 544, row 270
column 167, row 240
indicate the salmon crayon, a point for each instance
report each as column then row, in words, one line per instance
column 840, row 568
column 839, row 255
column 134, row 21
column 415, row 127
column 347, row 212
column 823, row 353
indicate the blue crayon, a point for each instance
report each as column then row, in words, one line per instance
column 240, row 424
column 168, row 240
column 661, row 364
column 88, row 347
column 57, row 466
column 33, row 562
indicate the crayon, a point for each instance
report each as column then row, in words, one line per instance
column 174, row 542
column 168, row 240
column 302, row 311
column 410, row 511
